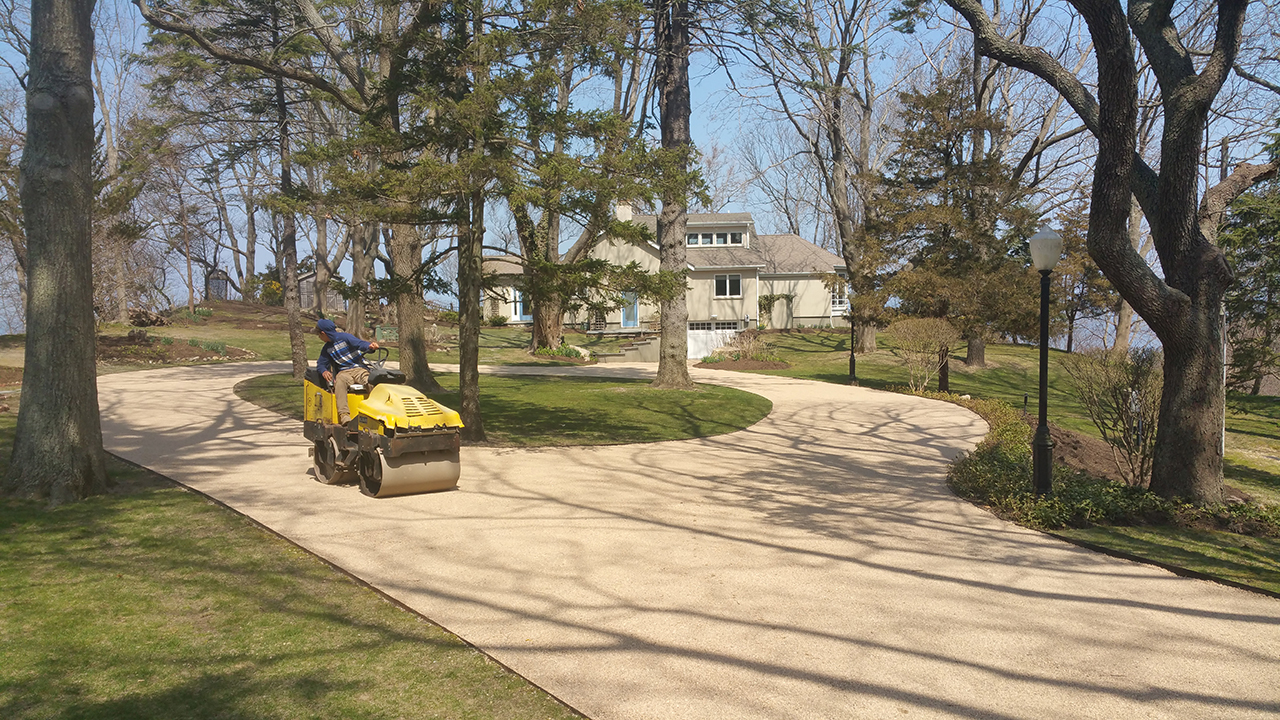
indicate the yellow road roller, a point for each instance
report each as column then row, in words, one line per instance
column 398, row 442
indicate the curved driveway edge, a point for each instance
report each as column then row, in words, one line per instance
column 813, row 565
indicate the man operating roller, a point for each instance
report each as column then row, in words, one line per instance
column 342, row 363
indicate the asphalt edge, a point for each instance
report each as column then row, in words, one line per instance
column 357, row 580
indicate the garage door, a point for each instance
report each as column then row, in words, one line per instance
column 703, row 339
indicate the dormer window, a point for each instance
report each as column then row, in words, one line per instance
column 735, row 238
column 722, row 238
column 691, row 239
column 706, row 238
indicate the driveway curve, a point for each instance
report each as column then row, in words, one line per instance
column 813, row 565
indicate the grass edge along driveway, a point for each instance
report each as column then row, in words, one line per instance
column 552, row 410
column 154, row 602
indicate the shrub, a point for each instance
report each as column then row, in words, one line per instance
column 565, row 350
column 193, row 342
column 997, row 474
column 217, row 347
column 449, row 316
column 166, row 340
column 496, row 320
column 922, row 343
column 746, row 345
column 1121, row 394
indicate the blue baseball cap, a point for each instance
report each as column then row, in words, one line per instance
column 325, row 325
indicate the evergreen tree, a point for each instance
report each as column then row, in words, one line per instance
column 959, row 220
column 1251, row 239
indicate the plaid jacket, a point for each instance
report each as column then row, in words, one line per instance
column 343, row 351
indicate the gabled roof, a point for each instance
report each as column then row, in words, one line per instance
column 790, row 253
column 503, row 265
column 723, row 256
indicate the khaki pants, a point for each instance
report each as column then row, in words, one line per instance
column 342, row 381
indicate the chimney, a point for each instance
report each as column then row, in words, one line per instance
column 624, row 211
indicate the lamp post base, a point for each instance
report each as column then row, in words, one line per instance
column 1042, row 461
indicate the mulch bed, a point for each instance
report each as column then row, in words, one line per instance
column 10, row 376
column 151, row 351
column 744, row 365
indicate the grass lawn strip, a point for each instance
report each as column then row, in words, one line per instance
column 541, row 411
column 1250, row 562
column 154, row 602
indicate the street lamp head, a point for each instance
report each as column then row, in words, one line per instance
column 1046, row 248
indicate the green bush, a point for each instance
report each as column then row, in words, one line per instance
column 562, row 351
column 997, row 474
column 448, row 316
column 193, row 342
column 213, row 346
column 496, row 320
column 166, row 340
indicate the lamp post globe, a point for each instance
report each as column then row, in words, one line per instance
column 1046, row 249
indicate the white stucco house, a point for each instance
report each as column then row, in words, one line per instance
column 730, row 268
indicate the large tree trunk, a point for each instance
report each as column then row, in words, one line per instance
column 976, row 352
column 1124, row 314
column 289, row 245
column 864, row 338
column 406, row 256
column 944, row 369
column 57, row 452
column 548, row 322
column 363, row 248
column 671, row 34
column 1188, row 450
column 470, row 269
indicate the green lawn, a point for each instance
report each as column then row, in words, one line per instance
column 1012, row 373
column 153, row 602
column 538, row 411
column 1248, row 560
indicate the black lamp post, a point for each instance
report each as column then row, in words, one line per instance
column 1046, row 248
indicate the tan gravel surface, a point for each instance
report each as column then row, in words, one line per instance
column 812, row 566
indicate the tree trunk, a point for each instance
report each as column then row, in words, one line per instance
column 865, row 338
column 320, row 283
column 406, row 256
column 470, row 269
column 944, row 369
column 363, row 249
column 548, row 325
column 671, row 34
column 976, row 352
column 57, row 451
column 289, row 245
column 1188, row 449
column 1071, row 332
column 1124, row 322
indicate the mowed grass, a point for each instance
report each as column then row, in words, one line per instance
column 540, row 411
column 1012, row 375
column 153, row 602
column 1252, row 462
column 1251, row 561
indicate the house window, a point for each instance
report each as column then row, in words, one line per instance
column 691, row 239
column 728, row 286
column 706, row 238
column 727, row 325
column 840, row 298
column 700, row 326
column 735, row 238
column 722, row 238
column 524, row 308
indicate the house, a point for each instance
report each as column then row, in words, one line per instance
column 731, row 268
column 307, row 294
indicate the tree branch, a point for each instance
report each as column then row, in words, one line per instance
column 237, row 58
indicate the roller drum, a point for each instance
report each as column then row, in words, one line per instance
column 409, row 473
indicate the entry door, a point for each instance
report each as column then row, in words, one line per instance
column 631, row 311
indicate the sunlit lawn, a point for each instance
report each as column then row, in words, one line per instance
column 153, row 602
column 551, row 410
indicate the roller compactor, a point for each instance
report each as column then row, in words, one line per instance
column 398, row 441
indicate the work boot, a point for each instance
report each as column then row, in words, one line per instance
column 344, row 419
